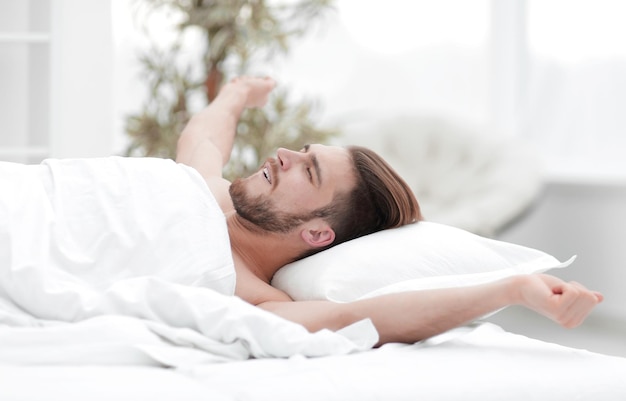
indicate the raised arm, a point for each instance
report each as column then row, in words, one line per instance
column 207, row 140
column 412, row 316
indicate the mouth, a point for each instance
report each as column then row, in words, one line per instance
column 270, row 172
column 266, row 174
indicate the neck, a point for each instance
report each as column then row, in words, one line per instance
column 262, row 253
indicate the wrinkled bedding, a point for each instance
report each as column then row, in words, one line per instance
column 127, row 261
column 128, row 294
column 480, row 362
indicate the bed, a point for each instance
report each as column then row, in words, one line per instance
column 478, row 362
column 248, row 354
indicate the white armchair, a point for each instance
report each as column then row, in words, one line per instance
column 477, row 182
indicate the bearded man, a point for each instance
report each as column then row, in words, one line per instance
column 100, row 223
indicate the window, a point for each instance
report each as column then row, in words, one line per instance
column 24, row 79
column 550, row 71
column 576, row 89
column 56, row 77
column 376, row 59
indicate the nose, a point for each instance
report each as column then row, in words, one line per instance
column 286, row 158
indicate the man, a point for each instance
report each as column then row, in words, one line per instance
column 287, row 210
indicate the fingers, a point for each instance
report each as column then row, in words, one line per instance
column 568, row 304
column 575, row 303
column 257, row 89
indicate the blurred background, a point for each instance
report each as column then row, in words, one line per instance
column 507, row 116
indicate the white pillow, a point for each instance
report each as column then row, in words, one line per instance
column 418, row 256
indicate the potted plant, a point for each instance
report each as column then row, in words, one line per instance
column 234, row 34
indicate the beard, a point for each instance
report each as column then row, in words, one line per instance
column 261, row 211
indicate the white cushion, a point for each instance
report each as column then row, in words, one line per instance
column 417, row 256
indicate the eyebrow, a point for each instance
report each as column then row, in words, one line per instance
column 316, row 165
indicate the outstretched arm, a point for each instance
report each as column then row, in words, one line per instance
column 413, row 316
column 207, row 141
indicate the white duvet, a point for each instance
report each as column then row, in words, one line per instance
column 121, row 260
column 97, row 322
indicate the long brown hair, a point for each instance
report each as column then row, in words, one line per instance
column 380, row 199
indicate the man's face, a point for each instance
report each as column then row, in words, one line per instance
column 286, row 189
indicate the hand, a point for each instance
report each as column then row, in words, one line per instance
column 257, row 89
column 565, row 303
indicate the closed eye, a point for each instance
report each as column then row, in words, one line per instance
column 316, row 166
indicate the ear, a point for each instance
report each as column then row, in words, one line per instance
column 318, row 236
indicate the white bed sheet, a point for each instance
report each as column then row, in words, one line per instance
column 481, row 362
column 100, row 383
column 158, row 338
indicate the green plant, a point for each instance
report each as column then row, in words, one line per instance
column 235, row 34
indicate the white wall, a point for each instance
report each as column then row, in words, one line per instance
column 588, row 220
column 362, row 72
